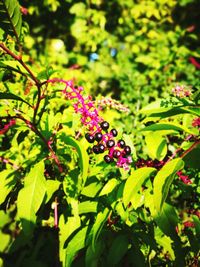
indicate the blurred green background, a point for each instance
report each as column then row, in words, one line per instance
column 131, row 50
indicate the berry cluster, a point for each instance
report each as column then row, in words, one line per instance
column 103, row 141
column 97, row 128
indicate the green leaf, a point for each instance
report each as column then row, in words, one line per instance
column 11, row 18
column 118, row 249
column 12, row 96
column 156, row 145
column 109, row 186
column 92, row 258
column 12, row 66
column 164, row 241
column 163, row 180
column 193, row 110
column 31, row 196
column 92, row 189
column 51, row 187
column 78, row 242
column 7, row 182
column 87, row 206
column 66, row 229
column 168, row 126
column 83, row 156
column 167, row 220
column 134, row 183
column 98, row 225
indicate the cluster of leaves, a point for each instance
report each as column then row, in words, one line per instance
column 55, row 198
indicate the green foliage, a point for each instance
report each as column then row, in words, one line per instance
column 163, row 180
column 59, row 198
column 11, row 18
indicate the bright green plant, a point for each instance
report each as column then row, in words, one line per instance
column 69, row 187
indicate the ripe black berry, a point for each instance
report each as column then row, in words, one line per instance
column 89, row 138
column 127, row 150
column 96, row 149
column 104, row 125
column 101, row 148
column 114, row 132
column 116, row 154
column 121, row 143
column 110, row 143
column 108, row 159
column 98, row 136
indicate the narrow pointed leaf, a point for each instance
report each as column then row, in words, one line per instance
column 12, row 96
column 98, row 225
column 169, row 126
column 109, row 186
column 11, row 18
column 163, row 180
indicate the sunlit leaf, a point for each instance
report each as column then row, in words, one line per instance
column 7, row 182
column 109, row 186
column 31, row 196
column 163, row 180
column 135, row 182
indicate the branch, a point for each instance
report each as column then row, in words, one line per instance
column 190, row 148
column 20, row 60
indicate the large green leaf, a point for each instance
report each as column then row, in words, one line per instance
column 134, row 183
column 11, row 18
column 78, row 242
column 163, row 180
column 31, row 196
column 12, row 96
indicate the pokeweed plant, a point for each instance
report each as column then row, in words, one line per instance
column 69, row 186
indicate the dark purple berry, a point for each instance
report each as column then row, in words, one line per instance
column 121, row 143
column 89, row 138
column 127, row 150
column 101, row 148
column 114, row 132
column 116, row 154
column 104, row 125
column 110, row 143
column 96, row 149
column 98, row 136
column 108, row 159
